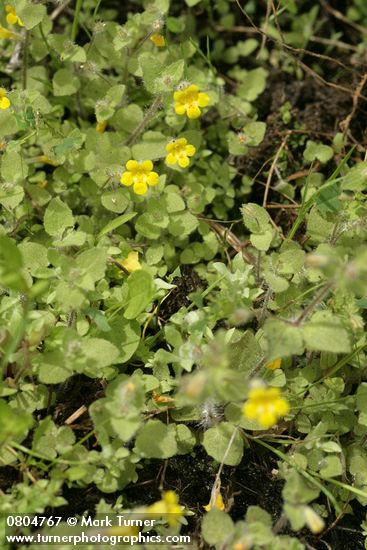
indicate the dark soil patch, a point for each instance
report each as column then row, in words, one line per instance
column 179, row 296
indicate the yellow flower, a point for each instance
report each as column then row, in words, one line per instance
column 101, row 126
column 158, row 40
column 5, row 34
column 265, row 405
column 179, row 151
column 140, row 175
column 4, row 101
column 273, row 365
column 131, row 263
column 168, row 507
column 218, row 503
column 12, row 17
column 189, row 100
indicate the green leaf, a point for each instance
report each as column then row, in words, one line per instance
column 169, row 77
column 255, row 217
column 156, row 440
column 244, row 352
column 259, row 525
column 125, row 335
column 331, row 466
column 361, row 397
column 216, row 443
column 356, row 178
column 34, row 256
column 14, row 424
column 282, row 339
column 325, row 332
column 317, row 151
column 254, row 133
column 10, row 265
column 116, row 200
column 11, row 195
column 65, row 83
column 140, row 293
column 185, row 439
column 58, row 217
column 92, row 264
column 100, row 354
column 52, row 368
column 217, row 526
column 30, row 14
column 13, row 168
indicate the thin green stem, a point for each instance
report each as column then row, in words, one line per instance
column 74, row 28
column 301, row 471
column 25, row 60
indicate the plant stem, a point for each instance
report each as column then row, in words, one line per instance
column 149, row 115
column 25, row 60
column 74, row 28
column 319, row 296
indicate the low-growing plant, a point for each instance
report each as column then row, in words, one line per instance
column 153, row 307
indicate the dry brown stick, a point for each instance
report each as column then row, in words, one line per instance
column 339, row 15
column 231, row 239
column 334, row 43
column 272, row 168
column 317, row 298
column 76, row 414
column 344, row 124
column 265, row 27
column 59, row 9
column 306, row 68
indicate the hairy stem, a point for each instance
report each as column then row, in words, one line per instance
column 148, row 117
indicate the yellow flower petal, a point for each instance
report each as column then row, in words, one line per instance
column 152, row 178
column 190, row 150
column 192, row 88
column 193, row 112
column 131, row 263
column 4, row 103
column 273, row 365
column 249, row 410
column 180, row 142
column 158, row 40
column 178, row 95
column 265, row 405
column 127, row 179
column 132, row 165
column 267, row 419
column 183, row 162
column 282, row 407
column 146, row 165
column 5, row 34
column 218, row 503
column 101, row 126
column 11, row 19
column 170, row 146
column 180, row 109
column 171, row 159
column 203, row 100
column 140, row 187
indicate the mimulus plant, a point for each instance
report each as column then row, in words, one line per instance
column 189, row 100
column 140, row 175
column 179, row 152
